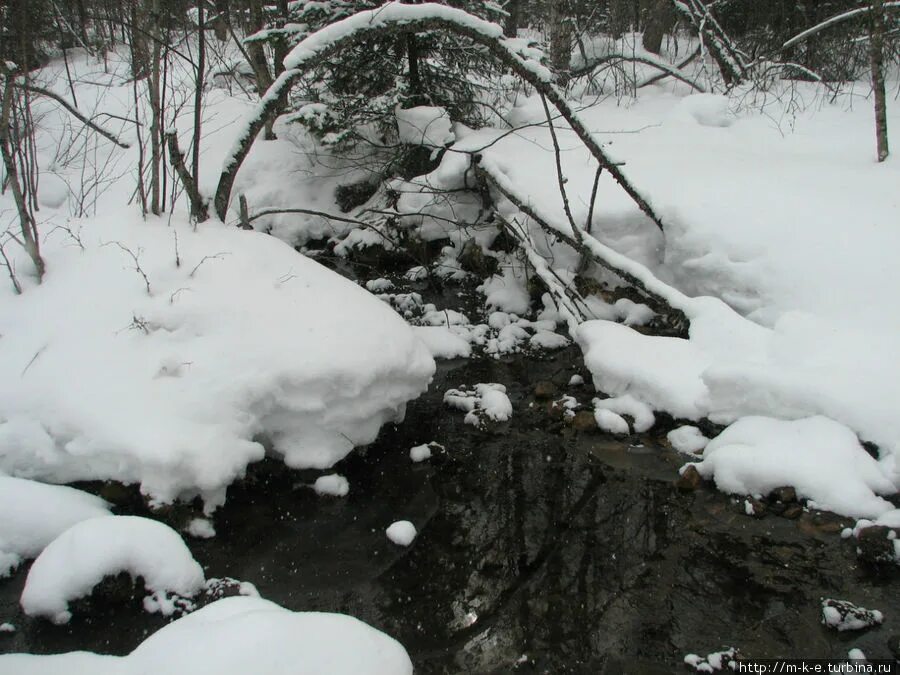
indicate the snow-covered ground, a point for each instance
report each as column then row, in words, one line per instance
column 165, row 354
column 239, row 635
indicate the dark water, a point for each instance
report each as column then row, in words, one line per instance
column 541, row 549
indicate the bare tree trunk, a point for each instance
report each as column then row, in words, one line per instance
column 28, row 226
column 560, row 30
column 513, row 18
column 876, row 47
column 198, row 91
column 258, row 61
column 660, row 20
column 198, row 208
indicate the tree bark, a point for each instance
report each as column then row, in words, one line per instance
column 199, row 211
column 876, row 49
column 268, row 106
column 660, row 20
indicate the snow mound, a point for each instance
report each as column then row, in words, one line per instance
column 76, row 561
column 238, row 338
column 443, row 343
column 687, row 439
column 626, row 405
column 332, row 485
column 420, row 453
column 240, row 635
column 424, row 125
column 34, row 514
column 485, row 401
column 401, row 533
column 843, row 615
column 820, row 458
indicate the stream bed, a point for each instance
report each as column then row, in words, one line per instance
column 541, row 548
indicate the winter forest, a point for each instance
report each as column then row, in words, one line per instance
column 341, row 337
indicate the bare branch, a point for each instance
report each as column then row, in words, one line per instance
column 73, row 111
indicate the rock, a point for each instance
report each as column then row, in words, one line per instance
column 873, row 545
column 792, row 511
column 842, row 615
column 822, row 523
column 754, row 507
column 584, row 421
column 689, row 479
column 545, row 389
column 473, row 259
column 785, row 495
column 893, row 644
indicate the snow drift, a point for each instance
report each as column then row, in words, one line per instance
column 164, row 355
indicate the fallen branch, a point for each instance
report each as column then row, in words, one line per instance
column 34, row 89
column 668, row 70
column 591, row 248
column 397, row 19
column 838, row 18
column 199, row 210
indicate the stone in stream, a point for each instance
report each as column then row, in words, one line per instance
column 545, row 389
column 792, row 511
column 785, row 494
column 873, row 545
column 689, row 479
column 584, row 421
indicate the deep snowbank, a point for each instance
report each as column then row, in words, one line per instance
column 82, row 556
column 238, row 338
column 238, row 636
column 33, row 514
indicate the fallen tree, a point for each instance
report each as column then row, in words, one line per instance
column 395, row 19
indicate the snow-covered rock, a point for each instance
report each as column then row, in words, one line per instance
column 33, row 514
column 485, row 401
column 171, row 379
column 332, row 485
column 76, row 561
column 820, row 458
column 687, row 439
column 236, row 636
column 843, row 615
column 401, row 532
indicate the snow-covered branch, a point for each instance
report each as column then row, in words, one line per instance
column 836, row 19
column 394, row 18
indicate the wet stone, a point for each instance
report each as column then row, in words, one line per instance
column 584, row 421
column 792, row 511
column 784, row 495
column 893, row 644
column 690, row 479
column 874, row 546
column 545, row 389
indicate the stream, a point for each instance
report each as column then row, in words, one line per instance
column 541, row 549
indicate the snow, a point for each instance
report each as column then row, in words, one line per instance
column 687, row 439
column 627, row 405
column 856, row 654
column 820, row 458
column 332, row 485
column 201, row 528
column 420, row 453
column 33, row 514
column 576, row 381
column 611, row 421
column 424, row 125
column 401, row 532
column 843, row 615
column 442, row 343
column 176, row 385
column 485, row 400
column 7, row 627
column 235, row 636
column 76, row 561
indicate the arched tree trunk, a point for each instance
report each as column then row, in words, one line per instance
column 394, row 19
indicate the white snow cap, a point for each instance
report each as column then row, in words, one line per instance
column 424, row 125
column 420, row 453
column 333, row 485
column 401, row 533
column 820, row 458
column 688, row 439
column 175, row 386
column 33, row 514
column 83, row 555
column 236, row 636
